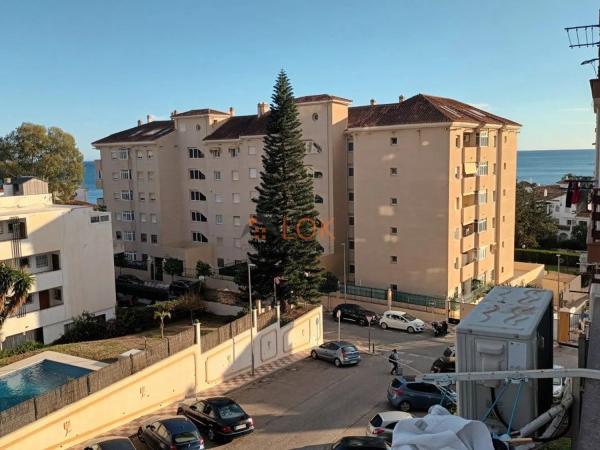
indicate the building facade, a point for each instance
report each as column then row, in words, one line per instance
column 68, row 251
column 416, row 195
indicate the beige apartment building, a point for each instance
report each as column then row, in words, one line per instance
column 66, row 248
column 417, row 195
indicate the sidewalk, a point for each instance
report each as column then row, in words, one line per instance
column 218, row 390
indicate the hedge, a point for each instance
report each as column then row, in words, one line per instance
column 541, row 256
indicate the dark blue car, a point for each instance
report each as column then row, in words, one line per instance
column 406, row 394
column 170, row 433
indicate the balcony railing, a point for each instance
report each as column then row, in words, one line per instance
column 121, row 261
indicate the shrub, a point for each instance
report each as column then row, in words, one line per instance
column 85, row 327
column 21, row 348
column 546, row 256
column 203, row 269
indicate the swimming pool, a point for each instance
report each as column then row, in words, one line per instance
column 25, row 383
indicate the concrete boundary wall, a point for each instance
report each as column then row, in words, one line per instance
column 172, row 379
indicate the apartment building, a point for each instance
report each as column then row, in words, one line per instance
column 416, row 195
column 68, row 251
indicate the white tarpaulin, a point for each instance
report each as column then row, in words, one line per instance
column 440, row 430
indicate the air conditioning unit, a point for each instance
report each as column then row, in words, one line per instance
column 511, row 329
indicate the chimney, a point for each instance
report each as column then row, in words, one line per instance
column 262, row 108
column 401, row 99
column 373, row 102
column 545, row 192
column 139, row 123
column 8, row 188
column 149, row 118
column 231, row 111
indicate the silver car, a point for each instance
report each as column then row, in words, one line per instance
column 382, row 424
column 341, row 353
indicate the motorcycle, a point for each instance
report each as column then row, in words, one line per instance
column 439, row 328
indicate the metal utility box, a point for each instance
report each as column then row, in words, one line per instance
column 510, row 329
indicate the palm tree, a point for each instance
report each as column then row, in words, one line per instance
column 17, row 281
column 6, row 281
column 162, row 312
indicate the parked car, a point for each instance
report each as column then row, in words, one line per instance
column 109, row 443
column 382, row 424
column 219, row 417
column 444, row 364
column 558, row 386
column 408, row 395
column 180, row 287
column 361, row 442
column 341, row 353
column 129, row 279
column 401, row 321
column 355, row 313
column 170, row 433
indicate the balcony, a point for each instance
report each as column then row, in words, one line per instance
column 34, row 319
column 47, row 280
column 469, row 184
column 468, row 214
column 467, row 271
column 467, row 243
column 469, row 141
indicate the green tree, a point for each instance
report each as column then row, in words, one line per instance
column 284, row 236
column 579, row 235
column 203, row 269
column 16, row 282
column 173, row 266
column 330, row 283
column 47, row 153
column 533, row 222
column 162, row 311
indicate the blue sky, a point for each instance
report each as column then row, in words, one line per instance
column 94, row 68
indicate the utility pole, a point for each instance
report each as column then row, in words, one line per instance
column 250, row 266
column 344, row 247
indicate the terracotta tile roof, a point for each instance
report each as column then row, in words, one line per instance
column 552, row 191
column 145, row 132
column 420, row 109
column 319, row 98
column 199, row 112
column 238, row 126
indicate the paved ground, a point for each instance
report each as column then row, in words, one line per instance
column 309, row 404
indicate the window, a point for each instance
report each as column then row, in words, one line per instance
column 143, row 237
column 350, row 171
column 503, row 219
column 482, row 168
column 41, row 261
column 115, row 175
column 234, row 152
column 457, row 141
column 481, row 253
column 393, row 140
column 154, row 238
column 118, row 216
column 140, row 154
column 123, row 153
column 351, row 268
column 198, row 216
column 315, row 117
column 393, row 201
column 482, row 138
column 218, row 198
column 237, row 243
column 318, row 199
column 197, row 196
column 237, row 221
column 457, row 172
column 150, row 154
column 195, row 174
column 217, row 175
column 393, row 171
column 113, row 155
column 252, row 150
column 220, row 262
column 493, row 222
column 494, row 195
column 350, row 196
column 457, row 202
column 142, row 196
column 128, row 216
column 393, row 259
column 125, row 174
column 481, row 225
column 495, row 141
column 253, row 173
column 153, row 218
column 126, row 195
column 129, row 236
column 351, row 220
column 116, row 195
column 494, row 169
column 140, row 175
column 503, row 192
column 129, row 256
column 394, row 230
column 215, row 152
column 198, row 127
column 219, row 219
column 118, row 235
column 235, row 197
column 456, row 266
column 142, row 217
column 235, row 175
column 350, row 146
column 198, row 237
column 482, row 197
column 504, row 165
column 195, row 153
column 150, row 175
column 568, row 221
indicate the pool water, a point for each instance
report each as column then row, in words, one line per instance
column 23, row 384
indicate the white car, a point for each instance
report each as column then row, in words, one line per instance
column 382, row 424
column 401, row 321
column 558, row 386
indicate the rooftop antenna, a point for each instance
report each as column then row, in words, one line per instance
column 586, row 36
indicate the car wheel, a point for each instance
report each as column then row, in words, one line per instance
column 140, row 434
column 362, row 322
column 210, row 434
column 411, row 330
column 314, row 355
column 337, row 362
column 179, row 411
column 404, row 406
column 383, row 325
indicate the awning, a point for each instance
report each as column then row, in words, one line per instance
column 470, row 168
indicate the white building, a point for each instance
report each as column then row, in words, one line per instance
column 67, row 248
column 566, row 217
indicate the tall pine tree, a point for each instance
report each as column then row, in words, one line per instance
column 284, row 239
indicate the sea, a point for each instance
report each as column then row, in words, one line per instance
column 536, row 166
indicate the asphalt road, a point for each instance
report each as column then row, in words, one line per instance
column 310, row 404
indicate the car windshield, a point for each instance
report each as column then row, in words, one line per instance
column 409, row 317
column 349, row 348
column 185, row 437
column 556, row 381
column 231, row 411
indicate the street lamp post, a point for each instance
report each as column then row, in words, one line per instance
column 250, row 265
column 344, row 247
